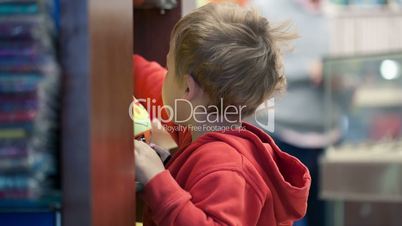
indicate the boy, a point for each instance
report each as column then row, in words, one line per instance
column 224, row 61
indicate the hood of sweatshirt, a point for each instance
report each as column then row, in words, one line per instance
column 286, row 177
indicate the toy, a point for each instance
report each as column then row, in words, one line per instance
column 142, row 127
column 142, row 122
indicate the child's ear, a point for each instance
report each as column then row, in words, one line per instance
column 193, row 90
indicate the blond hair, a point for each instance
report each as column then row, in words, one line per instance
column 232, row 52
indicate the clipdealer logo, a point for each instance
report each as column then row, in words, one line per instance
column 264, row 115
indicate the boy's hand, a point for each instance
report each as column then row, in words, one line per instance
column 163, row 153
column 147, row 162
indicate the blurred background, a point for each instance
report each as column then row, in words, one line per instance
column 342, row 113
column 29, row 108
column 66, row 81
column 65, row 86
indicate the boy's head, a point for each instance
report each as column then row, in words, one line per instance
column 224, row 52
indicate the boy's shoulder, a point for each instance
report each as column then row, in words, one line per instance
column 221, row 151
column 224, row 150
column 216, row 154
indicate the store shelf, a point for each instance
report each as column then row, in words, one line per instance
column 363, row 172
column 346, row 11
column 31, row 218
column 51, row 201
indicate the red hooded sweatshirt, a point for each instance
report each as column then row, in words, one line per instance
column 222, row 178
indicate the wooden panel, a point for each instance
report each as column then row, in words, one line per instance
column 152, row 32
column 97, row 155
column 75, row 156
column 112, row 169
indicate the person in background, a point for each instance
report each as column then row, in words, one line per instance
column 300, row 126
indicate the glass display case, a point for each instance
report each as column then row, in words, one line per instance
column 364, row 94
column 362, row 173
